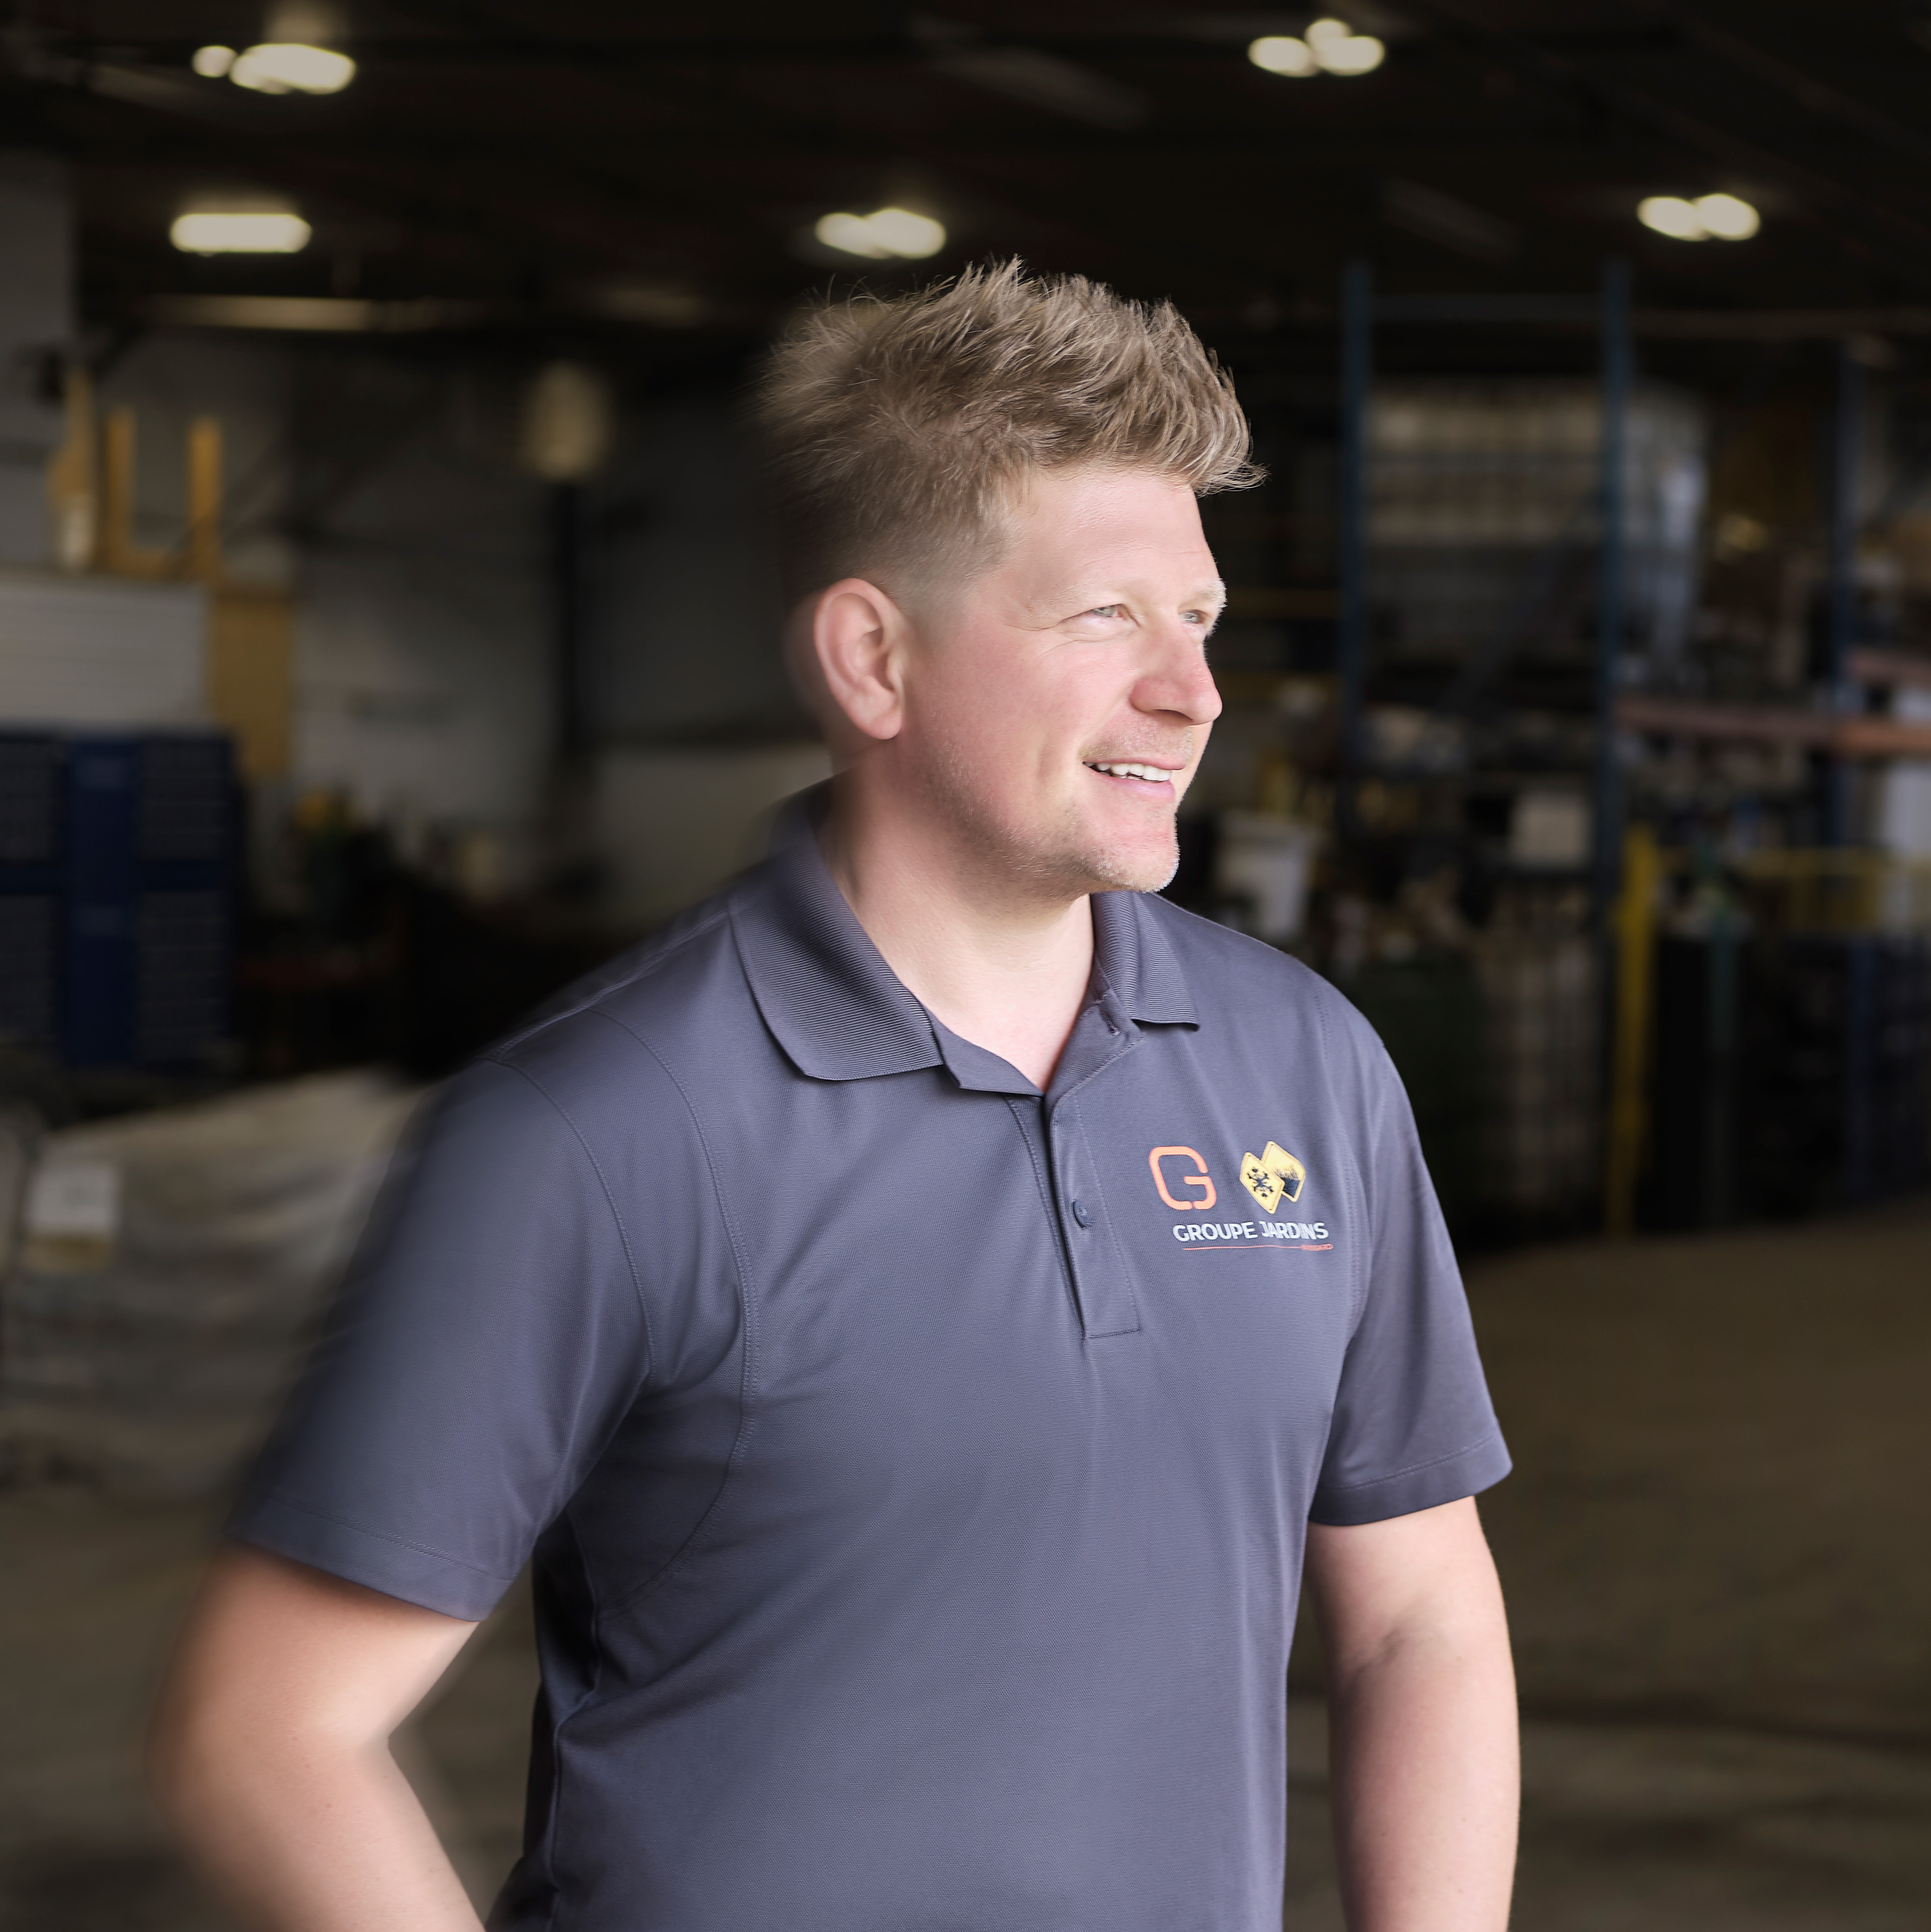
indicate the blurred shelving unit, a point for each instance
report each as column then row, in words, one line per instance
column 1439, row 740
column 1569, row 640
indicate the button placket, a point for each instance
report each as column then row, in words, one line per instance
column 1108, row 1306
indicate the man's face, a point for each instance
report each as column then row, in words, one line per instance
column 1057, row 705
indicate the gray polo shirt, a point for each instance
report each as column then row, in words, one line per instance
column 915, row 1468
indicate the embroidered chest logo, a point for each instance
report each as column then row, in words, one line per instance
column 1272, row 1177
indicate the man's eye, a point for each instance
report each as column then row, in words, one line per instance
column 1104, row 610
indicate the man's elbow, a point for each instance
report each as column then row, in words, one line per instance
column 192, row 1753
column 221, row 1742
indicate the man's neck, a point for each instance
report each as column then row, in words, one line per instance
column 1006, row 969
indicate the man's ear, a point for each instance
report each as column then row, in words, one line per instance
column 859, row 637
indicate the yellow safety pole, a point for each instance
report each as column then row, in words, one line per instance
column 118, row 551
column 1635, row 968
column 117, row 492
column 204, row 499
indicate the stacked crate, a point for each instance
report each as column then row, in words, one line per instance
column 148, row 870
column 118, row 875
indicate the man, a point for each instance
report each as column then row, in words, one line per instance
column 916, row 1311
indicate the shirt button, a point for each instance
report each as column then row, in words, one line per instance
column 1082, row 1214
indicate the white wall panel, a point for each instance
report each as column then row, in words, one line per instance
column 99, row 651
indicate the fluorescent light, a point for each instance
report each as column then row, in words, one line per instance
column 1670, row 214
column 239, row 231
column 1281, row 53
column 1727, row 216
column 212, row 62
column 850, row 234
column 288, row 66
column 1718, row 217
column 1357, row 53
column 889, row 232
column 912, row 236
column 1341, row 50
column 1329, row 46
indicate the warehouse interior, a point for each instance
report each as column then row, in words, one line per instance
column 389, row 636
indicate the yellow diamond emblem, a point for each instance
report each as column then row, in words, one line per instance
column 1272, row 1176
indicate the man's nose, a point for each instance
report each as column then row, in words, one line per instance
column 1177, row 681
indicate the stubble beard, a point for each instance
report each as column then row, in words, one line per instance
column 1057, row 863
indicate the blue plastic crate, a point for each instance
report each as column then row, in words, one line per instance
column 147, row 870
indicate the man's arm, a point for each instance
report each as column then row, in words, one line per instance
column 1422, row 1716
column 270, row 1750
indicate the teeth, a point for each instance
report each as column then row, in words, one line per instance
column 1151, row 774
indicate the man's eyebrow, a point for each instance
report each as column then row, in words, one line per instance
column 1213, row 591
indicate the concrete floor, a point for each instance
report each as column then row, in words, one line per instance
column 1717, row 1549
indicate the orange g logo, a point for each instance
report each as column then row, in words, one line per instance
column 1199, row 1179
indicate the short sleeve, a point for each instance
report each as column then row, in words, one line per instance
column 1413, row 1426
column 490, row 1338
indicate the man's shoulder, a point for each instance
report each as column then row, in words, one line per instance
column 682, row 983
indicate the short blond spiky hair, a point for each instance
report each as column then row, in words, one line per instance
column 899, row 429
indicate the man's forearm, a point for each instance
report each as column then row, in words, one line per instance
column 302, row 1835
column 1425, row 1780
column 269, row 1751
column 1422, row 1719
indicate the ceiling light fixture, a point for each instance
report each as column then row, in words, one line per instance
column 211, row 63
column 1342, row 51
column 1328, row 46
column 1670, row 214
column 1710, row 217
column 239, row 231
column 288, row 66
column 889, row 232
column 1284, row 54
column 1727, row 216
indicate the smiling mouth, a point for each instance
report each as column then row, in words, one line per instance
column 1151, row 775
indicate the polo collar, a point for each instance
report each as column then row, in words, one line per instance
column 1134, row 961
column 839, row 1011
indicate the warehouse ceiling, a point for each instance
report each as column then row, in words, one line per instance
column 526, row 160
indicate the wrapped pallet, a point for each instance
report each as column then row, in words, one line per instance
column 168, row 1269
